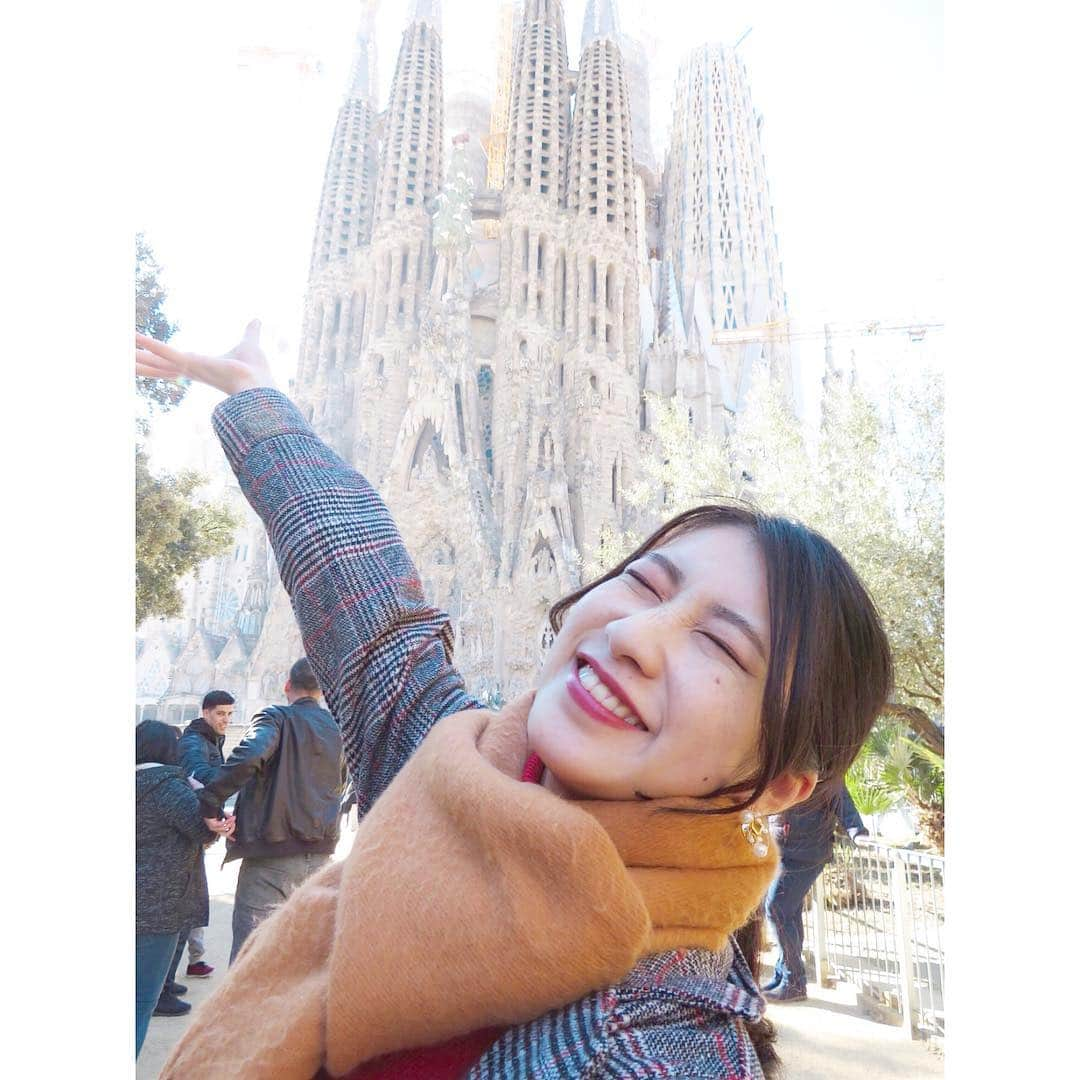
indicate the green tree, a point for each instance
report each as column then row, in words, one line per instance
column 158, row 394
column 174, row 531
column 873, row 483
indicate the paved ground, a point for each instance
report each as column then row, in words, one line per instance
column 824, row 1038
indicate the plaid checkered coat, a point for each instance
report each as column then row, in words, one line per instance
column 382, row 656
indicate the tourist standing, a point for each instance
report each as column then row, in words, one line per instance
column 170, row 881
column 200, row 750
column 806, row 844
column 288, row 771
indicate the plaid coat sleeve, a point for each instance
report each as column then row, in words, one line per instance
column 679, row 1014
column 380, row 652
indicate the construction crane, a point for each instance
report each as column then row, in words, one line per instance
column 306, row 63
column 781, row 330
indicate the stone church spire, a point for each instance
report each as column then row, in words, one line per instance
column 539, row 128
column 601, row 20
column 410, row 176
column 363, row 73
column 429, row 11
column 600, row 191
column 333, row 311
column 411, row 169
column 347, row 200
column 718, row 227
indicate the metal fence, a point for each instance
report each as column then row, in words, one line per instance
column 876, row 918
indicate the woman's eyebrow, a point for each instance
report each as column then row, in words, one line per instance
column 716, row 610
column 722, row 611
column 673, row 572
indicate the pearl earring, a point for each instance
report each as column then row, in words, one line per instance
column 756, row 833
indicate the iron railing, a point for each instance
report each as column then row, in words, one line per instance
column 876, row 919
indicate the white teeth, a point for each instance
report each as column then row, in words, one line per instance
column 591, row 681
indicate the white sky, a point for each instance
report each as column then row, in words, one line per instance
column 242, row 99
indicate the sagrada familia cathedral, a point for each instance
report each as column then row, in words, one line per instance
column 497, row 291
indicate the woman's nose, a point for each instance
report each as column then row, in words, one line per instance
column 639, row 639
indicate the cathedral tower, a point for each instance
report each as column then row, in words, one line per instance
column 603, row 275
column 393, row 274
column 333, row 310
column 539, row 126
column 600, row 193
column 537, row 561
column 719, row 230
column 410, row 174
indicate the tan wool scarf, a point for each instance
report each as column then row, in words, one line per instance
column 469, row 900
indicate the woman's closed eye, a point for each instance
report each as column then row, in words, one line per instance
column 643, row 582
column 723, row 646
column 717, row 646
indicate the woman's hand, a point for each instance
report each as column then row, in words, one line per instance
column 221, row 826
column 241, row 368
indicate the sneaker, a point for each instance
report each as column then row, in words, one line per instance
column 199, row 971
column 175, row 989
column 786, row 992
column 171, row 1006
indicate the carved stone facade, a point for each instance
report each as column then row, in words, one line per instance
column 481, row 354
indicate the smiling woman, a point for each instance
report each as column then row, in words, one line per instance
column 745, row 646
column 555, row 889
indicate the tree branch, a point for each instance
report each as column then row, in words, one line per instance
column 932, row 698
column 931, row 680
column 920, row 724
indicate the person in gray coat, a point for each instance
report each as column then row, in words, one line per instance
column 170, row 880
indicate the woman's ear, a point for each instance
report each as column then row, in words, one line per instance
column 787, row 790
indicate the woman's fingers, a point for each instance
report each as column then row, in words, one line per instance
column 156, row 360
column 148, row 363
column 241, row 368
column 148, row 372
column 160, row 349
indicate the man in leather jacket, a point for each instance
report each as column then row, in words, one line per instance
column 288, row 771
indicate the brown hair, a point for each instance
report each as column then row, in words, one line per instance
column 830, row 670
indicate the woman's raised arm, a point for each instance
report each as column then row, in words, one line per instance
column 380, row 652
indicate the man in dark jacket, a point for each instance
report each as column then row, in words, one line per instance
column 288, row 771
column 199, row 751
column 202, row 741
column 806, row 844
